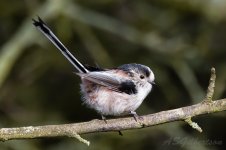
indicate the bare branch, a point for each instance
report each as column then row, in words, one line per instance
column 74, row 129
column 208, row 99
column 194, row 125
column 112, row 124
column 210, row 90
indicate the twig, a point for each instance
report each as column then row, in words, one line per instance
column 193, row 124
column 208, row 99
column 77, row 136
column 210, row 90
column 112, row 124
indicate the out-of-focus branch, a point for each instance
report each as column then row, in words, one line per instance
column 24, row 37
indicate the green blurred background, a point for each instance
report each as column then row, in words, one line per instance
column 179, row 40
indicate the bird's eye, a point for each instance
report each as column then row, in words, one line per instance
column 142, row 76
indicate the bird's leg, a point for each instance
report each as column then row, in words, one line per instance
column 104, row 118
column 135, row 116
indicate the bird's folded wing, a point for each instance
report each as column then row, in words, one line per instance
column 118, row 84
column 102, row 78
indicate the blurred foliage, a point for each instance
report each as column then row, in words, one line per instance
column 179, row 40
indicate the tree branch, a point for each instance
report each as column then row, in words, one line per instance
column 74, row 129
column 210, row 90
column 112, row 124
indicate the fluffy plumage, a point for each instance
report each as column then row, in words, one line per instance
column 116, row 91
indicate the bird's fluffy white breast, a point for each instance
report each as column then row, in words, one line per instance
column 108, row 102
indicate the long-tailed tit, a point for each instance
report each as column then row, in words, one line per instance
column 117, row 91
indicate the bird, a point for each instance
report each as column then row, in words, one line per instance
column 111, row 92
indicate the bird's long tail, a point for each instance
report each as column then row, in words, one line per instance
column 50, row 35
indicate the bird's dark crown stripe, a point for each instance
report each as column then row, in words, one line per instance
column 134, row 66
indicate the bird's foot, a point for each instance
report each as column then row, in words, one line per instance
column 135, row 116
column 104, row 118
